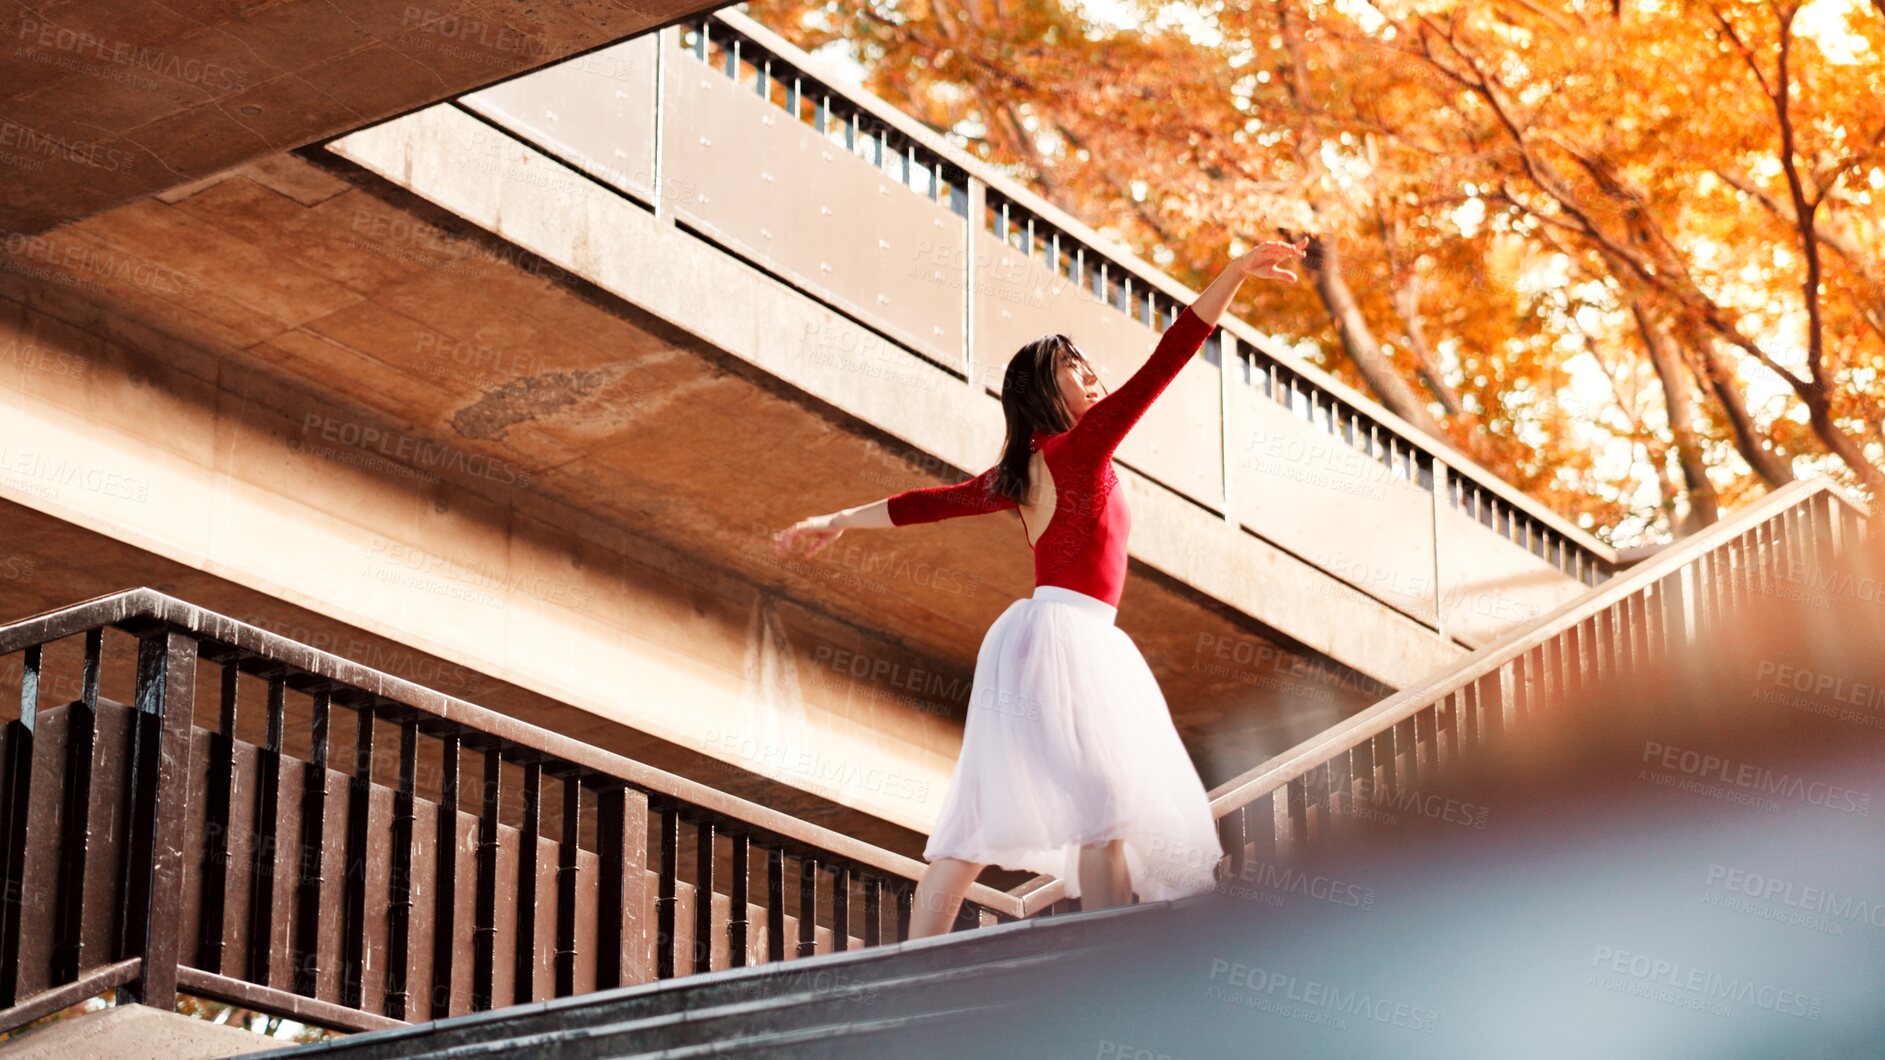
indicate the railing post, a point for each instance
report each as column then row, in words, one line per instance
column 160, row 795
column 666, row 38
column 312, row 862
column 622, row 907
column 665, row 883
column 808, row 905
column 568, row 883
column 737, row 921
column 216, row 817
column 972, row 224
column 1439, row 495
column 703, row 895
column 353, row 914
column 445, row 879
column 16, row 783
column 1678, row 608
column 399, row 905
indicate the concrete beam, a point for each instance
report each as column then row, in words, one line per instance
column 102, row 101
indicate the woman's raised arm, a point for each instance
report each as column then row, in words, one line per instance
column 1105, row 425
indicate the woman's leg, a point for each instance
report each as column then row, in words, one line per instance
column 939, row 895
column 1104, row 881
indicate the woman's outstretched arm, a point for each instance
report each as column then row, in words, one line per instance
column 819, row 531
column 926, row 505
column 1104, row 426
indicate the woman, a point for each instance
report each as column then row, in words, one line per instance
column 1070, row 764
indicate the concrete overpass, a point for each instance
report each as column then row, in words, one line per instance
column 488, row 387
column 102, row 103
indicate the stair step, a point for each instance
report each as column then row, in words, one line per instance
column 703, row 1024
column 689, row 1011
column 837, row 1041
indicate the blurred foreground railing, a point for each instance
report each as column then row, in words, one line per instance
column 1804, row 531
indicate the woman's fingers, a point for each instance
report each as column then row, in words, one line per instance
column 820, row 539
column 814, row 538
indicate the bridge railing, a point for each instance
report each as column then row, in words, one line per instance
column 731, row 132
column 1805, row 531
column 192, row 804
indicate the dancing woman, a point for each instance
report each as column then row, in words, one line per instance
column 1070, row 764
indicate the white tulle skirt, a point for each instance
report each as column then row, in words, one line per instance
column 1069, row 742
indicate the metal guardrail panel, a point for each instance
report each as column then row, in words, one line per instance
column 1018, row 299
column 774, row 190
column 1331, row 504
column 597, row 111
column 1488, row 584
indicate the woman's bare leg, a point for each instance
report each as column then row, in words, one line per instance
column 1104, row 881
column 939, row 895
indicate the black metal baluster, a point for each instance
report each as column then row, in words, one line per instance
column 307, row 944
column 14, row 821
column 808, row 904
column 703, row 895
column 775, row 904
column 484, row 931
column 524, row 987
column 445, row 879
column 567, row 882
column 1230, row 833
column 353, row 921
column 399, row 883
column 873, row 910
column 262, row 865
column 68, row 953
column 215, row 869
column 736, row 902
column 665, row 890
column 840, row 909
column 622, row 906
column 153, row 910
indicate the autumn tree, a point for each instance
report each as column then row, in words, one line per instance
column 1626, row 255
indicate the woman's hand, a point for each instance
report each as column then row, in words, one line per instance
column 816, row 533
column 1265, row 260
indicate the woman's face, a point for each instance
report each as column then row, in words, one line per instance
column 1079, row 386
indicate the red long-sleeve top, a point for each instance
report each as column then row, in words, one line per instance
column 1084, row 545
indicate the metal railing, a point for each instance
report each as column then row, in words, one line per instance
column 725, row 128
column 200, row 836
column 265, row 824
column 1679, row 596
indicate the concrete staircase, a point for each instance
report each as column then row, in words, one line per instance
column 855, row 1003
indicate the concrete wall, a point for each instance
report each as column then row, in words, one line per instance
column 122, row 431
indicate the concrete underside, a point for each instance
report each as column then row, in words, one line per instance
column 343, row 411
column 105, row 101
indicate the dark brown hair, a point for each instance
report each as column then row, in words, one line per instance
column 1031, row 401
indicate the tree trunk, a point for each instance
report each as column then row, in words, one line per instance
column 1360, row 345
column 1704, row 505
column 1716, row 378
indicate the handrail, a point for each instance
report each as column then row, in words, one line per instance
column 1293, row 763
column 1152, row 276
column 129, row 605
